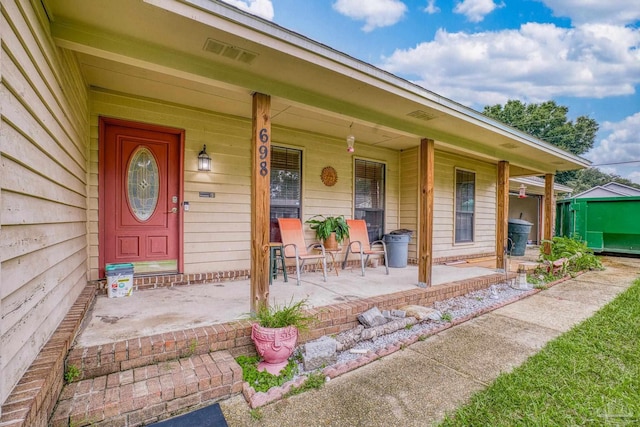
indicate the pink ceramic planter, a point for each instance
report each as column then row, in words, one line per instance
column 274, row 345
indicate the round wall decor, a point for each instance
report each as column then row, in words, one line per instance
column 329, row 176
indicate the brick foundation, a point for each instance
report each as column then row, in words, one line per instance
column 235, row 337
column 32, row 401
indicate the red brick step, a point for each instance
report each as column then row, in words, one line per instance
column 150, row 393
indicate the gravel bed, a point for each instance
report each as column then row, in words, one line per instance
column 455, row 307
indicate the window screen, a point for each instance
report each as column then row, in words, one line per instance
column 286, row 187
column 369, row 196
column 465, row 205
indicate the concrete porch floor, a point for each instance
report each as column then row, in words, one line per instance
column 156, row 311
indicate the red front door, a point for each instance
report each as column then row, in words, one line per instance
column 140, row 196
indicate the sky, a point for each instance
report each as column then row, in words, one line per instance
column 583, row 54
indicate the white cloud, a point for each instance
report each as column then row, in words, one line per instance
column 261, row 8
column 431, row 7
column 621, row 144
column 535, row 63
column 620, row 12
column 476, row 10
column 634, row 176
column 375, row 13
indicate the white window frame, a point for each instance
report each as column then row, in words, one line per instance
column 384, row 189
column 455, row 207
column 302, row 174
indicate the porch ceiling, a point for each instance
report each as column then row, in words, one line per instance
column 164, row 49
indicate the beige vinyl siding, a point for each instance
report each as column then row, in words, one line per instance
column 410, row 195
column 43, row 148
column 444, row 207
column 319, row 152
column 217, row 231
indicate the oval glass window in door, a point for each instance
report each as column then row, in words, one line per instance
column 143, row 183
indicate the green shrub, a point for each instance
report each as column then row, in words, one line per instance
column 263, row 380
column 575, row 250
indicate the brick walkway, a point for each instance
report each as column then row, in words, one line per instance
column 150, row 393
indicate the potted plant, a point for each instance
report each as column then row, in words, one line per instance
column 276, row 331
column 331, row 230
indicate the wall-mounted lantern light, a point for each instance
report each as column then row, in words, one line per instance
column 204, row 161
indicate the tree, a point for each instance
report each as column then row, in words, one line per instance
column 592, row 177
column 548, row 121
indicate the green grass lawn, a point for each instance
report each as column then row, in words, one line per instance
column 589, row 376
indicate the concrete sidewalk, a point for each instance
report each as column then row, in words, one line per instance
column 418, row 385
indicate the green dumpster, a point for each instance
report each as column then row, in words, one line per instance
column 605, row 224
column 518, row 233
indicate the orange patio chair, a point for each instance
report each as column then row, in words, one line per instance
column 359, row 244
column 294, row 245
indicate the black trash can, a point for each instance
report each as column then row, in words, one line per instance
column 518, row 233
column 397, row 243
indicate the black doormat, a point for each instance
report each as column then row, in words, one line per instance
column 209, row 416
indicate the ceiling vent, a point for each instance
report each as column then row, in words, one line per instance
column 231, row 52
column 422, row 115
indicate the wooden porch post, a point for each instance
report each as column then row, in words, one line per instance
column 260, row 199
column 502, row 217
column 425, row 222
column 549, row 212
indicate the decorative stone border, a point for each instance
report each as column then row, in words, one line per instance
column 32, row 401
column 257, row 399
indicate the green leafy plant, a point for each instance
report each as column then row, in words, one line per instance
column 541, row 276
column 280, row 316
column 263, row 380
column 256, row 414
column 297, row 356
column 313, row 382
column 579, row 256
column 325, row 225
column 446, row 317
column 191, row 350
column 72, row 373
